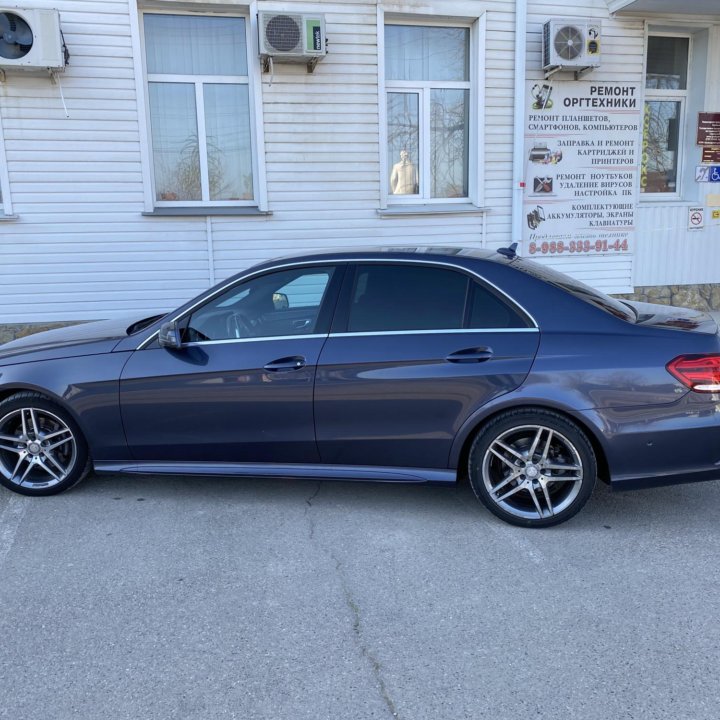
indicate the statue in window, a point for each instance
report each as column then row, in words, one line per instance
column 404, row 176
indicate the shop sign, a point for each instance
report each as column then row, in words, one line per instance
column 708, row 131
column 710, row 156
column 582, row 158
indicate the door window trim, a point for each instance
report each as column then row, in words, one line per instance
column 342, row 266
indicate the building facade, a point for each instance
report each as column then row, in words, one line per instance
column 168, row 155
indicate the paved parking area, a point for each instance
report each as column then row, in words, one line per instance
column 211, row 598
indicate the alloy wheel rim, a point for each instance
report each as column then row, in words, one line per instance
column 533, row 472
column 37, row 449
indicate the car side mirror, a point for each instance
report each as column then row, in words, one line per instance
column 169, row 336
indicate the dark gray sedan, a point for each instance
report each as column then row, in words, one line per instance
column 399, row 365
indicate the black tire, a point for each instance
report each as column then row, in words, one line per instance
column 42, row 449
column 536, row 491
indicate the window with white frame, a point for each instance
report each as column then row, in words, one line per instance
column 427, row 85
column 199, row 102
column 666, row 92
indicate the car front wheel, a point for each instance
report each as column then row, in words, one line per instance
column 533, row 468
column 42, row 451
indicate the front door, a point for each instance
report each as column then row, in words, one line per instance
column 241, row 387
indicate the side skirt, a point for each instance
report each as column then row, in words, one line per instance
column 325, row 472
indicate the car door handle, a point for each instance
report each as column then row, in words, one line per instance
column 287, row 363
column 470, row 355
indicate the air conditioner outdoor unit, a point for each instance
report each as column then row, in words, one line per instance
column 30, row 39
column 571, row 44
column 291, row 37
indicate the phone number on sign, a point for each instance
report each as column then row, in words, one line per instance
column 576, row 246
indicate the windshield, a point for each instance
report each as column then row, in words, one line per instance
column 579, row 289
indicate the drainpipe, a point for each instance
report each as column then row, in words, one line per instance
column 518, row 175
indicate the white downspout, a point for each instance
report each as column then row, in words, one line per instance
column 518, row 174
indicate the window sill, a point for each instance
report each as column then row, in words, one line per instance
column 8, row 218
column 205, row 211
column 432, row 209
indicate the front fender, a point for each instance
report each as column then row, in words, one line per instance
column 87, row 387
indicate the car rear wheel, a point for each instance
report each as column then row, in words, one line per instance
column 533, row 468
column 42, row 451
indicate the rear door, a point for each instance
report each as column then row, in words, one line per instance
column 414, row 350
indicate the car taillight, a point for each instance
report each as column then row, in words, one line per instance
column 700, row 373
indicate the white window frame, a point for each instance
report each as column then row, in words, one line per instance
column 6, row 209
column 681, row 96
column 435, row 14
column 252, row 79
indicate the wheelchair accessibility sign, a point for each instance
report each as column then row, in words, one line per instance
column 707, row 173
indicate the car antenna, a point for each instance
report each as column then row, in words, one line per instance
column 509, row 252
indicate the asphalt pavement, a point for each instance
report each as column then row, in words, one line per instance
column 155, row 597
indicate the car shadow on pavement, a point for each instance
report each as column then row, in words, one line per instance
column 673, row 506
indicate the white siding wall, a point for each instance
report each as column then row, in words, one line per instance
column 81, row 248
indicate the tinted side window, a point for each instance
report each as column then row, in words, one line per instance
column 407, row 297
column 487, row 310
column 273, row 305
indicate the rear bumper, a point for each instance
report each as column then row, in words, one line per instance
column 657, row 445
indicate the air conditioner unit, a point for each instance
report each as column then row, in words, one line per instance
column 571, row 44
column 30, row 39
column 291, row 37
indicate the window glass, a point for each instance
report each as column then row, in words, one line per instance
column 274, row 305
column 667, row 63
column 449, row 143
column 195, row 45
column 579, row 289
column 304, row 291
column 660, row 146
column 229, row 147
column 489, row 311
column 403, row 142
column 176, row 151
column 413, row 52
column 407, row 297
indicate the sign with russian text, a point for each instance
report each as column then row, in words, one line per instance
column 710, row 155
column 708, row 131
column 582, row 158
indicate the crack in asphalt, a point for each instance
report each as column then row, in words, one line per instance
column 354, row 608
column 366, row 652
column 309, row 517
column 314, row 495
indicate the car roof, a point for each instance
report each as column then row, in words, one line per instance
column 395, row 252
